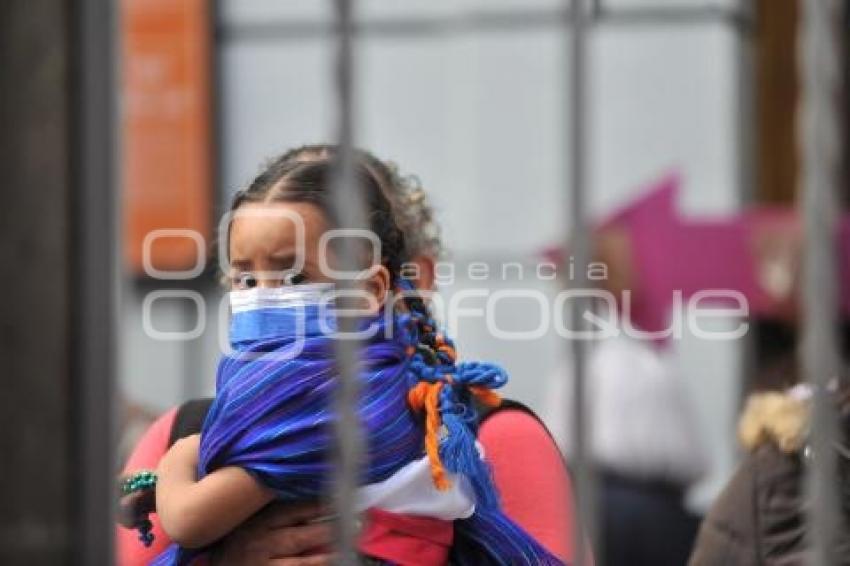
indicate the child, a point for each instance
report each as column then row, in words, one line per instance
column 426, row 489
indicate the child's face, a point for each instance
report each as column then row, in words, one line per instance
column 278, row 243
column 267, row 247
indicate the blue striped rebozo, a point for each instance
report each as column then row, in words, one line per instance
column 273, row 416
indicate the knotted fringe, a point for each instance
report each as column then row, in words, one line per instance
column 444, row 392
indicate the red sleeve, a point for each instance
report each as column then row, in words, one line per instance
column 531, row 477
column 145, row 456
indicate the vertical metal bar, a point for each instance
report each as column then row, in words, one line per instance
column 596, row 8
column 745, row 114
column 579, row 244
column 37, row 503
column 94, row 210
column 819, row 70
column 745, row 106
column 349, row 211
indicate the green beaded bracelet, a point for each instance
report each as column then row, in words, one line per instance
column 141, row 481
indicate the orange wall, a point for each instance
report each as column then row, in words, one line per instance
column 166, row 109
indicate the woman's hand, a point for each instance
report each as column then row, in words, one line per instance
column 135, row 507
column 280, row 535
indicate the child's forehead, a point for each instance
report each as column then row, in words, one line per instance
column 267, row 227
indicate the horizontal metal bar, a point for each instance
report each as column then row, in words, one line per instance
column 484, row 22
column 743, row 20
column 403, row 27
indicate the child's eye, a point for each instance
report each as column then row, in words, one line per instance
column 245, row 281
column 294, row 278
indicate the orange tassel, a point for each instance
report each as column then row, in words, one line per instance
column 427, row 395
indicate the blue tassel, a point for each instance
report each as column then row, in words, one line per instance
column 458, row 451
column 482, row 374
column 460, row 456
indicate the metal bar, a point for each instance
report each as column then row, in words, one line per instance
column 217, row 81
column 745, row 108
column 579, row 244
column 94, row 284
column 348, row 207
column 674, row 15
column 745, row 111
column 485, row 22
column 820, row 72
column 37, row 511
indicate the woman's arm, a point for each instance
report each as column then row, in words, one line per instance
column 145, row 456
column 195, row 513
column 531, row 477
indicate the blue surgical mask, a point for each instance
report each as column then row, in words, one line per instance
column 296, row 312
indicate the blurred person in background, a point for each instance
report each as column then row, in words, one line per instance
column 645, row 447
column 760, row 516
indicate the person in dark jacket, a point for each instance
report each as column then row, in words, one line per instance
column 760, row 517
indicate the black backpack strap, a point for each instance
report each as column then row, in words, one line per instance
column 189, row 419
column 485, row 412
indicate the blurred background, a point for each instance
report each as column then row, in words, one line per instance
column 692, row 180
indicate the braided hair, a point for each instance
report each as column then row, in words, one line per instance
column 402, row 218
column 412, row 211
